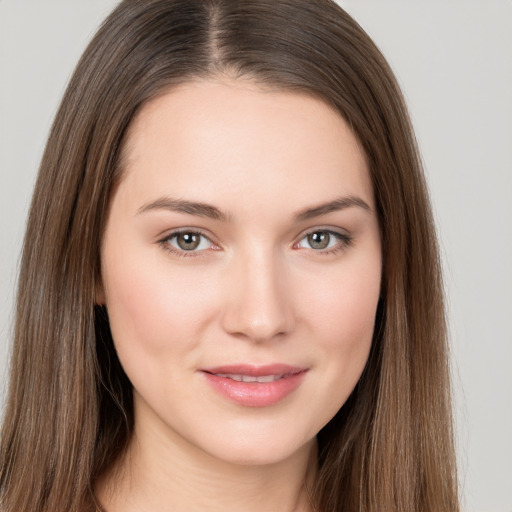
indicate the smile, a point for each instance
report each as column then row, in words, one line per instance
column 253, row 386
column 250, row 378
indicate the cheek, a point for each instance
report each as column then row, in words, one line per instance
column 342, row 317
column 156, row 319
column 153, row 312
column 344, row 308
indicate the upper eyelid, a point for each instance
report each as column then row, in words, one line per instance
column 166, row 235
column 328, row 229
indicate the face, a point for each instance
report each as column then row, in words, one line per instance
column 241, row 268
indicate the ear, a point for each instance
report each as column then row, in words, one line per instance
column 99, row 293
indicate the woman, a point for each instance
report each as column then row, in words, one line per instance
column 235, row 301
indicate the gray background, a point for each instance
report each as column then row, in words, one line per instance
column 453, row 59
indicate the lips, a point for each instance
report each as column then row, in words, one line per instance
column 250, row 378
column 255, row 386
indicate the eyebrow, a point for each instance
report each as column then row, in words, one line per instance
column 340, row 203
column 212, row 212
column 184, row 206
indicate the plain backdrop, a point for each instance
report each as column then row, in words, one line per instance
column 454, row 62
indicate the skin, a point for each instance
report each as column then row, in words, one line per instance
column 254, row 291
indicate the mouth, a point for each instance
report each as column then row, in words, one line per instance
column 255, row 386
column 251, row 378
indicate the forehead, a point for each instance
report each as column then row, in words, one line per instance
column 210, row 138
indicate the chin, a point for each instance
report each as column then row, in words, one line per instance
column 259, row 450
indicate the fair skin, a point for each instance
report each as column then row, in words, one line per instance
column 273, row 275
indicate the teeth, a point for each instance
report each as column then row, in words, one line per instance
column 267, row 378
column 250, row 378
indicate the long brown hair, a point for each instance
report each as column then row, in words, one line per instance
column 69, row 411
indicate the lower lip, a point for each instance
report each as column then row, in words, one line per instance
column 255, row 394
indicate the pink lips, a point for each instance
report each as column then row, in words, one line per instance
column 255, row 386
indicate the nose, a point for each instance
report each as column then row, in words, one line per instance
column 258, row 306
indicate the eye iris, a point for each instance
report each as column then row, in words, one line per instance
column 319, row 239
column 188, row 241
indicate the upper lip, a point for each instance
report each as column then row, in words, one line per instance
column 254, row 370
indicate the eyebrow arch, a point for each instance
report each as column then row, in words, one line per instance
column 340, row 203
column 183, row 206
column 212, row 212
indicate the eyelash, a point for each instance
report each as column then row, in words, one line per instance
column 344, row 241
column 165, row 243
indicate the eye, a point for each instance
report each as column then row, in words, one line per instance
column 323, row 240
column 182, row 242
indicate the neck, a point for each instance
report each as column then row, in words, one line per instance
column 164, row 475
